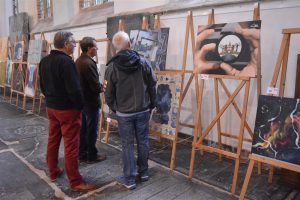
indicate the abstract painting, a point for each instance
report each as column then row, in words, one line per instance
column 228, row 49
column 277, row 129
column 18, row 52
column 3, row 49
column 31, row 78
column 131, row 22
column 152, row 45
column 164, row 117
column 37, row 50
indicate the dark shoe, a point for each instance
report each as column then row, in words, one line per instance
column 81, row 160
column 84, row 187
column 59, row 173
column 122, row 181
column 99, row 158
column 144, row 178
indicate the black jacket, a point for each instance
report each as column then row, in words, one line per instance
column 59, row 81
column 89, row 80
column 130, row 83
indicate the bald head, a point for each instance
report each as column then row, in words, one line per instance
column 121, row 41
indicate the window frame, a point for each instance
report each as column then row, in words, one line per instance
column 44, row 15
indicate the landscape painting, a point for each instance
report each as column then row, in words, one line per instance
column 277, row 129
column 228, row 49
column 164, row 117
column 152, row 45
column 31, row 78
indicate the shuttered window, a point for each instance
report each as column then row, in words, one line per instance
column 90, row 3
column 44, row 8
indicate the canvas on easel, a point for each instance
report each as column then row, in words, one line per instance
column 3, row 60
column 31, row 80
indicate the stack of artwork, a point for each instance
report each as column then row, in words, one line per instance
column 277, row 129
column 228, row 48
column 152, row 45
column 164, row 118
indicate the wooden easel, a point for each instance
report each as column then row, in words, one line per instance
column 281, row 64
column 20, row 68
column 200, row 135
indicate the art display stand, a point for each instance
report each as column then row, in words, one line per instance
column 21, row 69
column 200, row 132
column 280, row 68
column 8, row 49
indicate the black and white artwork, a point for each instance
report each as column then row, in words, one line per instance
column 164, row 117
column 152, row 45
column 37, row 50
column 277, row 129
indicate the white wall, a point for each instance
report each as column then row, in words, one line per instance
column 134, row 5
column 275, row 16
column 6, row 11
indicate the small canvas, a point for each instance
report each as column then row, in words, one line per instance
column 37, row 50
column 164, row 117
column 152, row 45
column 277, row 129
column 31, row 78
column 228, row 49
column 18, row 51
column 3, row 49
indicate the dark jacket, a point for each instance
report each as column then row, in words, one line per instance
column 89, row 80
column 59, row 81
column 130, row 83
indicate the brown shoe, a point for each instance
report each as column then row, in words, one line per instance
column 59, row 173
column 84, row 187
column 99, row 158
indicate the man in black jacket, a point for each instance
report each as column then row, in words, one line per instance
column 59, row 83
column 131, row 94
column 89, row 79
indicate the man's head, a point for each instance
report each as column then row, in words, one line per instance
column 121, row 41
column 64, row 41
column 88, row 45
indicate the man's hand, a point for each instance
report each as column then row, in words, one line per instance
column 104, row 86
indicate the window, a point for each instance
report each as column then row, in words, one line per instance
column 91, row 3
column 15, row 7
column 44, row 9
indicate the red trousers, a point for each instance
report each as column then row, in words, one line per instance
column 66, row 124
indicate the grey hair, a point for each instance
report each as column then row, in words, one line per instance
column 120, row 41
column 60, row 38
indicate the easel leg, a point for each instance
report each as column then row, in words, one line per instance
column 259, row 168
column 33, row 104
column 106, row 133
column 100, row 125
column 247, row 179
column 24, row 102
column 217, row 111
column 271, row 172
column 40, row 104
column 192, row 162
column 235, row 175
column 17, row 101
column 173, row 155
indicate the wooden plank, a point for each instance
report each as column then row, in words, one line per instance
column 297, row 85
column 291, row 30
column 242, row 78
column 284, row 67
column 216, row 150
column 169, row 72
column 217, row 102
column 234, row 137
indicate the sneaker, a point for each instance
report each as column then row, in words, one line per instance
column 99, row 158
column 122, row 181
column 144, row 178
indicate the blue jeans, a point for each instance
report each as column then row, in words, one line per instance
column 88, row 134
column 129, row 127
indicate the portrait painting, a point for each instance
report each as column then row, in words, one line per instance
column 277, row 129
column 152, row 45
column 31, row 78
column 164, row 117
column 228, row 49
column 18, row 51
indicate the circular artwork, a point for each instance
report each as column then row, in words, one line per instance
column 229, row 48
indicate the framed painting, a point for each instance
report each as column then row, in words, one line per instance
column 277, row 129
column 18, row 52
column 8, row 70
column 228, row 49
column 37, row 50
column 152, row 45
column 31, row 80
column 164, row 117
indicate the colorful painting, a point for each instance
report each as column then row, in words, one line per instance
column 31, row 78
column 18, row 78
column 164, row 117
column 228, row 49
column 18, row 52
column 3, row 49
column 37, row 50
column 152, row 45
column 277, row 129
